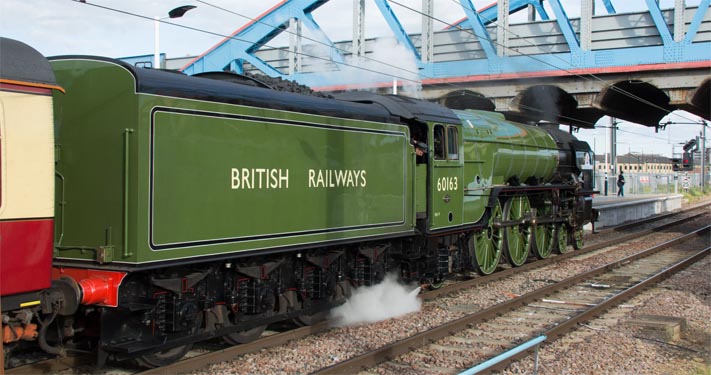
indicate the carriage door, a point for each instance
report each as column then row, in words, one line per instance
column 446, row 185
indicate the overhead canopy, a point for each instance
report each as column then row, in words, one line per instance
column 631, row 100
column 466, row 99
column 553, row 104
column 698, row 101
column 635, row 101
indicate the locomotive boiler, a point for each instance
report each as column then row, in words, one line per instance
column 189, row 208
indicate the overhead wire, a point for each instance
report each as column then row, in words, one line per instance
column 408, row 79
column 417, row 73
column 232, row 37
column 579, row 121
column 472, row 32
column 237, row 39
column 614, row 88
column 528, row 55
column 341, row 50
column 643, row 135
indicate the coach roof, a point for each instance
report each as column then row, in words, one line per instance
column 22, row 64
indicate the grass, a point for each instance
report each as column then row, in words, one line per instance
column 697, row 194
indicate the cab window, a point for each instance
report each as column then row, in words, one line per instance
column 452, row 143
column 446, row 143
column 439, row 142
column 584, row 159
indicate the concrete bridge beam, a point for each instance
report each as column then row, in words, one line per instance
column 651, row 97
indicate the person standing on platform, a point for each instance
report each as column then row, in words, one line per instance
column 620, row 185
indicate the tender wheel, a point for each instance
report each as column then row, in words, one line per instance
column 248, row 335
column 435, row 283
column 310, row 319
column 485, row 246
column 517, row 238
column 163, row 358
column 343, row 292
column 244, row 336
column 562, row 240
column 543, row 237
column 578, row 238
column 166, row 357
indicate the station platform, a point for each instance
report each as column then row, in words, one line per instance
column 616, row 210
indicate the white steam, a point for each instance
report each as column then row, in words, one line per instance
column 388, row 299
column 387, row 60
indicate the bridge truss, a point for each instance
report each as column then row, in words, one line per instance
column 637, row 66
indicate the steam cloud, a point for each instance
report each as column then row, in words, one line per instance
column 386, row 300
column 387, row 60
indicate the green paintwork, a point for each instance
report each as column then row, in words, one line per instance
column 446, row 181
column 488, row 244
column 544, row 234
column 496, row 150
column 561, row 238
column 421, row 189
column 517, row 238
column 185, row 198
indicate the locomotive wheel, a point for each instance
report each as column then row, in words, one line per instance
column 517, row 238
column 578, row 238
column 561, row 235
column 543, row 237
column 486, row 245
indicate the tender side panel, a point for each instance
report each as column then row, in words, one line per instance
column 96, row 119
column 219, row 178
column 161, row 176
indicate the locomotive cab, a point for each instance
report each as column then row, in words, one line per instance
column 446, row 170
column 584, row 160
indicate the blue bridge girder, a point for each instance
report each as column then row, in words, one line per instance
column 242, row 45
column 489, row 13
column 620, row 45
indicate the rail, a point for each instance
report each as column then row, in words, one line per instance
column 407, row 345
column 226, row 354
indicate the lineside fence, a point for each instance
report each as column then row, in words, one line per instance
column 649, row 183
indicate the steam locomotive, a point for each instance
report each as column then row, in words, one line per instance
column 144, row 210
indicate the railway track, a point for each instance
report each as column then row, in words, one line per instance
column 548, row 313
column 613, row 236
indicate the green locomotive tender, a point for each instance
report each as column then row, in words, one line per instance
column 190, row 208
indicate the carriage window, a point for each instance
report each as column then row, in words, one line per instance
column 439, row 142
column 452, row 143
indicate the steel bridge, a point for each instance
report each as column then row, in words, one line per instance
column 637, row 66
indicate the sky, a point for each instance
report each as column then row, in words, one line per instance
column 61, row 27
